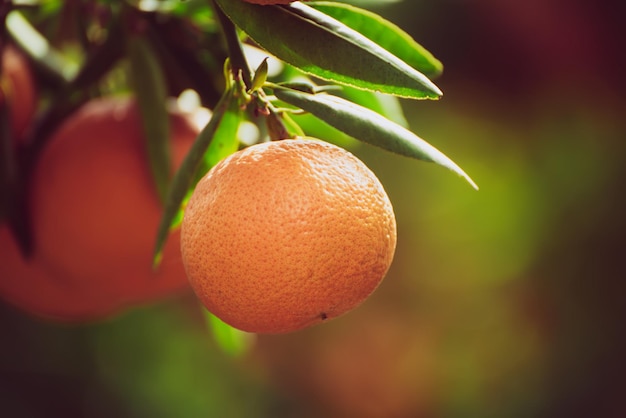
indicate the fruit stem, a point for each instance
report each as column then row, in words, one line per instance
column 235, row 51
column 241, row 69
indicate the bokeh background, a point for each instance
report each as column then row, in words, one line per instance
column 507, row 302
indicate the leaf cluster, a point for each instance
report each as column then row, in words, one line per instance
column 332, row 43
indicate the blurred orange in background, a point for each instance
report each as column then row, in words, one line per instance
column 95, row 211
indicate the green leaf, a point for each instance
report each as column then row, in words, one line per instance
column 384, row 33
column 50, row 62
column 385, row 105
column 260, row 76
column 324, row 47
column 151, row 92
column 368, row 126
column 196, row 160
column 225, row 140
column 230, row 340
column 291, row 125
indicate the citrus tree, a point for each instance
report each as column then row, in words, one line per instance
column 243, row 73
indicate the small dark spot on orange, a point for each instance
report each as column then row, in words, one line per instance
column 323, row 316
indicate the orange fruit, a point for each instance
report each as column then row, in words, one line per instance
column 284, row 235
column 18, row 89
column 94, row 207
column 26, row 284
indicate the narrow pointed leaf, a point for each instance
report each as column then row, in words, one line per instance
column 51, row 62
column 324, row 47
column 368, row 126
column 383, row 104
column 151, row 93
column 225, row 140
column 291, row 125
column 260, row 76
column 230, row 340
column 195, row 162
column 384, row 33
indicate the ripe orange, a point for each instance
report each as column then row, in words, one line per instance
column 29, row 287
column 94, row 207
column 284, row 235
column 17, row 89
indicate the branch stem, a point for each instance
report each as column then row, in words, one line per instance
column 233, row 43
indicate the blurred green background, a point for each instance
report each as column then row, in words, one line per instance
column 507, row 302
